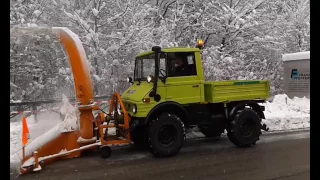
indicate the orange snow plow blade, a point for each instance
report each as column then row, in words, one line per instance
column 59, row 143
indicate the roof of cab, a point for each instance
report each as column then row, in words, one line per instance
column 171, row 49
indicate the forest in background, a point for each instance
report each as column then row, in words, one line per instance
column 243, row 39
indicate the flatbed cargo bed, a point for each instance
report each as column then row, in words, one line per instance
column 227, row 91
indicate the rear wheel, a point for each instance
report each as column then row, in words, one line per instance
column 166, row 135
column 245, row 128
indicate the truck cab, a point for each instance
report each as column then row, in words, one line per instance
column 180, row 77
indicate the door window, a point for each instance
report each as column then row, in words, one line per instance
column 181, row 64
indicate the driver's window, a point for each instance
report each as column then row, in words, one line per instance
column 181, row 64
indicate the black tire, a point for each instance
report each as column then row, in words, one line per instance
column 245, row 128
column 139, row 137
column 166, row 135
column 105, row 151
column 212, row 130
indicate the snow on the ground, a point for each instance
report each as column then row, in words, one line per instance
column 284, row 113
column 281, row 114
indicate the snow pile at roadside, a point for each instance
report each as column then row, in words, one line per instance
column 284, row 113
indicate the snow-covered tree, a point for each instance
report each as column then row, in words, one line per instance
column 38, row 65
column 244, row 39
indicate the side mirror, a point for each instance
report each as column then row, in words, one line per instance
column 129, row 80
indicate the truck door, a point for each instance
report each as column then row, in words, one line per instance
column 182, row 83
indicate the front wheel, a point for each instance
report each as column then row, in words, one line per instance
column 166, row 135
column 245, row 128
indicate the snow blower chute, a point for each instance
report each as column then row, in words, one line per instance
column 59, row 143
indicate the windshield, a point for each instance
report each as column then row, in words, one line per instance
column 145, row 66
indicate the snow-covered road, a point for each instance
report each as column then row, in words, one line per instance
column 281, row 115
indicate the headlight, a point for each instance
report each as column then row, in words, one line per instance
column 149, row 79
column 134, row 109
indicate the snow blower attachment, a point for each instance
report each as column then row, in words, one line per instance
column 60, row 143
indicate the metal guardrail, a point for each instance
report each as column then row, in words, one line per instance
column 25, row 105
column 49, row 101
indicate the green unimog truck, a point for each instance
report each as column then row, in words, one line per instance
column 168, row 94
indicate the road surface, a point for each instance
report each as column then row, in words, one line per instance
column 277, row 156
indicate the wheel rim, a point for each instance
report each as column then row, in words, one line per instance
column 247, row 128
column 167, row 135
